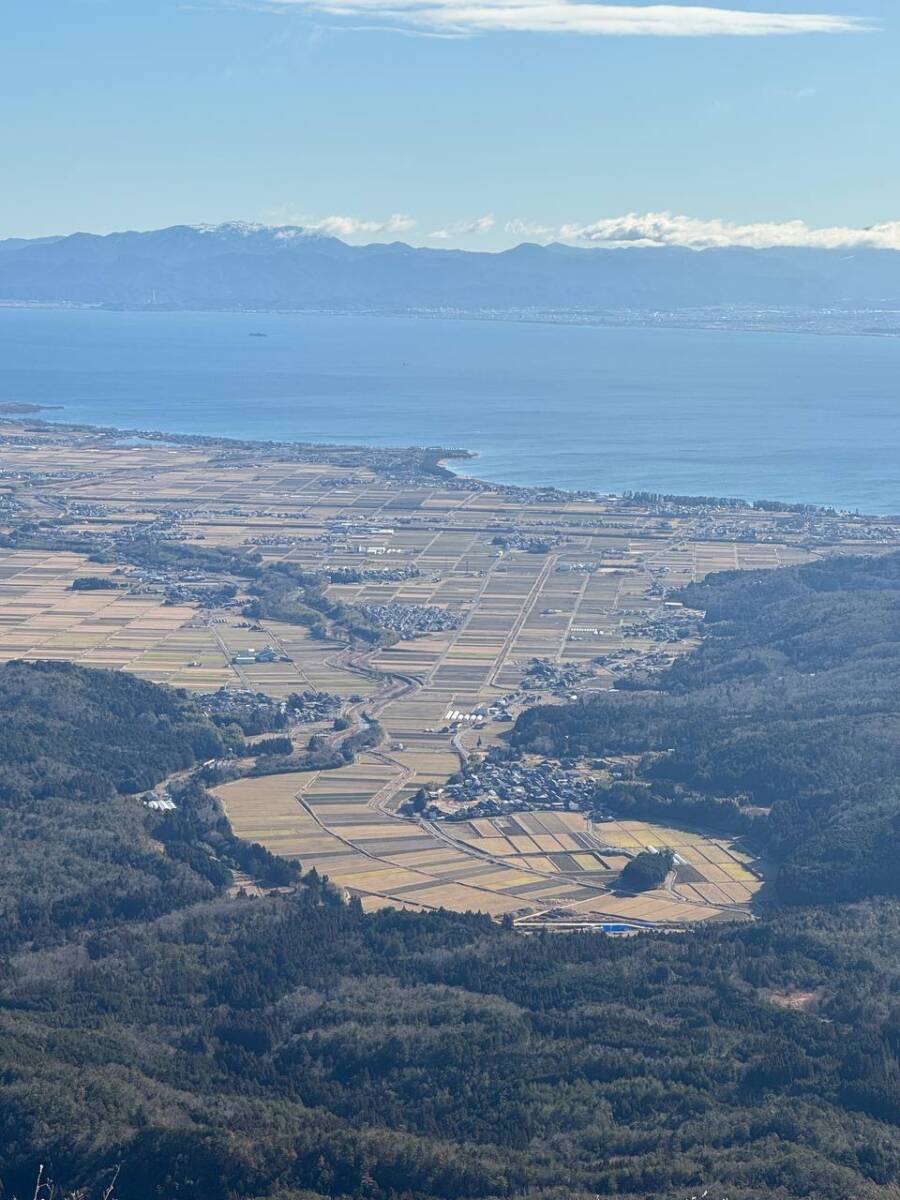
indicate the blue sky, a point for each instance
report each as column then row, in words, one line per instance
column 476, row 123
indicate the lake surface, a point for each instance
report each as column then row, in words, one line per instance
column 789, row 416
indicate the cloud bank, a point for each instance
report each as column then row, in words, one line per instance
column 666, row 229
column 466, row 17
column 290, row 223
column 631, row 229
column 464, row 229
column 348, row 227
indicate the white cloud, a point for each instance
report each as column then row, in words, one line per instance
column 630, row 229
column 532, row 231
column 291, row 222
column 666, row 229
column 344, row 227
column 463, row 229
column 574, row 16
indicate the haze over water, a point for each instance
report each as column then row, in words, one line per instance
column 786, row 416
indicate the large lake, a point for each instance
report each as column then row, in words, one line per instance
column 758, row 415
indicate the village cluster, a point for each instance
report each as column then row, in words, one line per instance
column 412, row 620
column 497, row 786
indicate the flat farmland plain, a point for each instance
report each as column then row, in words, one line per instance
column 582, row 582
column 41, row 617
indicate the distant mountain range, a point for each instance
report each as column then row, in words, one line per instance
column 238, row 266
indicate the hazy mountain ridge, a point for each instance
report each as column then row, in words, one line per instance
column 238, row 266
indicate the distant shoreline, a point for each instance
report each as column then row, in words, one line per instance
column 434, row 460
column 709, row 319
column 16, row 408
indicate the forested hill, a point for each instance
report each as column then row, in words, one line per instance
column 297, row 1049
column 70, row 730
column 77, row 850
column 784, row 723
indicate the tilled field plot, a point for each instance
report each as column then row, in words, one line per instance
column 41, row 617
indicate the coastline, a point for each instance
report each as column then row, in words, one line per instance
column 424, row 460
column 709, row 319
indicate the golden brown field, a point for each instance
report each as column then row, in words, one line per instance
column 606, row 566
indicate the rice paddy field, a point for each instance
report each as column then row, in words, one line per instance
column 595, row 569
column 709, row 871
column 528, row 865
column 712, row 870
column 41, row 617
